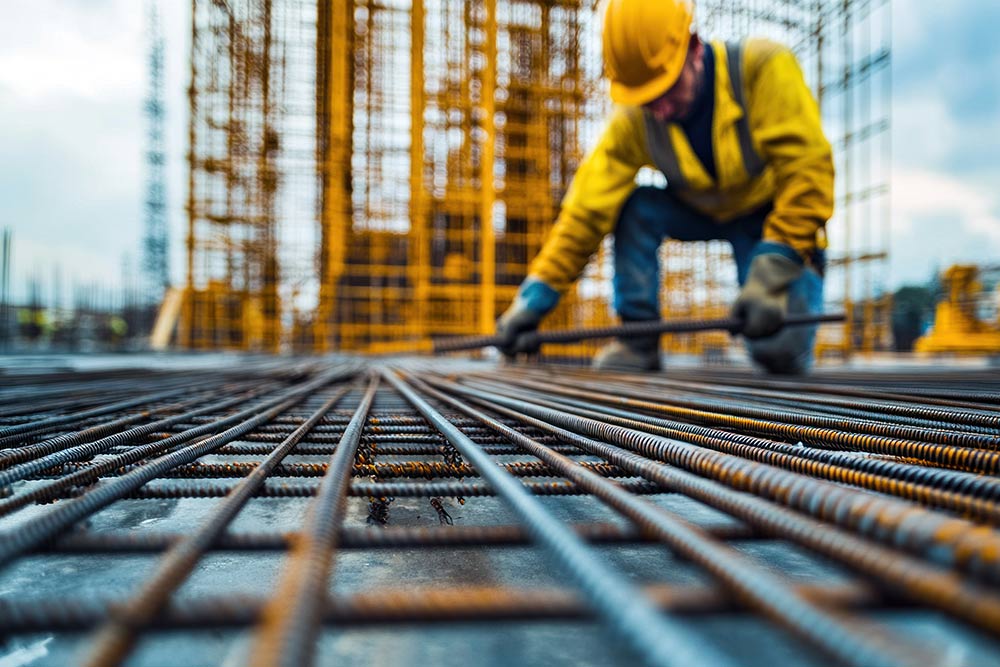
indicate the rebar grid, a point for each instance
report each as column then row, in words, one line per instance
column 519, row 494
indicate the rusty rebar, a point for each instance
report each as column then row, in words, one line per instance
column 115, row 638
column 16, row 540
column 412, row 606
column 870, row 471
column 654, row 638
column 753, row 584
column 975, row 496
column 901, row 574
column 291, row 619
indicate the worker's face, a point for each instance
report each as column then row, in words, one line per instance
column 675, row 104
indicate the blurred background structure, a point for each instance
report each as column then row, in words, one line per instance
column 365, row 175
column 156, row 241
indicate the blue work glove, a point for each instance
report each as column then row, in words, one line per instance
column 533, row 302
column 763, row 302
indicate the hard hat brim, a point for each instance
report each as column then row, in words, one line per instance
column 650, row 90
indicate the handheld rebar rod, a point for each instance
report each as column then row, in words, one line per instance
column 630, row 330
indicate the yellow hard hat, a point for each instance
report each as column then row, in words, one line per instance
column 645, row 46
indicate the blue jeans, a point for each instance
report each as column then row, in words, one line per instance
column 652, row 214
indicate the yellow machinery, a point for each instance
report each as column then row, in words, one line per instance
column 958, row 326
column 365, row 174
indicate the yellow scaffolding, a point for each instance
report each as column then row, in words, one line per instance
column 468, row 117
column 365, row 174
column 231, row 299
column 335, row 33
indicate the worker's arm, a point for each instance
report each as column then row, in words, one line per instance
column 785, row 124
column 603, row 182
column 786, row 127
column 600, row 186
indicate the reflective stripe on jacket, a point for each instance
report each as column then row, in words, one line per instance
column 775, row 153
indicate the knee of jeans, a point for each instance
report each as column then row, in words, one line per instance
column 636, row 207
column 805, row 295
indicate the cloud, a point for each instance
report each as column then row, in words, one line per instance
column 929, row 131
column 933, row 40
column 72, row 181
column 924, row 132
column 83, row 49
column 946, row 139
column 80, row 266
column 945, row 86
column 72, row 178
column 939, row 220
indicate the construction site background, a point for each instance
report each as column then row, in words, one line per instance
column 337, row 187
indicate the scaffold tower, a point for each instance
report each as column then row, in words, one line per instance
column 155, row 260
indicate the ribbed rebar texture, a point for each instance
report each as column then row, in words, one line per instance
column 358, row 511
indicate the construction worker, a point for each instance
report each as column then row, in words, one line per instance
column 737, row 134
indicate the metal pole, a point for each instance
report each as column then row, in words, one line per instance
column 531, row 340
column 487, row 306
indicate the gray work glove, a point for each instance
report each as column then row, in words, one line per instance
column 763, row 301
column 518, row 319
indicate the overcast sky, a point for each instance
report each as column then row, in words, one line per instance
column 73, row 80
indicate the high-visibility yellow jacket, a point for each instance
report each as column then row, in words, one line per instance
column 788, row 162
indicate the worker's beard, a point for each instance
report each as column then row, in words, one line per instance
column 696, row 90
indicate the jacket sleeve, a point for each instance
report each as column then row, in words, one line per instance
column 602, row 183
column 785, row 124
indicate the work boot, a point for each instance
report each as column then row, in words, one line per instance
column 629, row 355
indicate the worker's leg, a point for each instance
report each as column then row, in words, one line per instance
column 790, row 351
column 648, row 217
column 651, row 215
